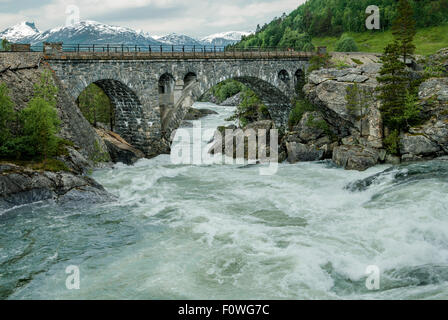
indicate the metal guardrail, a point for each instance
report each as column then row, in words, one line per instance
column 110, row 51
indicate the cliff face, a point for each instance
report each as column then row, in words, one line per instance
column 357, row 138
column 20, row 71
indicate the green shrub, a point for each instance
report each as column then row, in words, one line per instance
column 5, row 45
column 392, row 143
column 346, row 44
column 295, row 40
column 341, row 64
column 318, row 124
column 40, row 125
column 6, row 114
column 357, row 61
column 227, row 89
column 300, row 107
column 251, row 109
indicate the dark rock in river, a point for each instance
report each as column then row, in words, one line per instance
column 195, row 114
column 299, row 152
column 355, row 157
column 19, row 186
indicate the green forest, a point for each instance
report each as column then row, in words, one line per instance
column 317, row 19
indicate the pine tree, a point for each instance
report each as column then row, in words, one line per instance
column 393, row 87
column 403, row 29
column 357, row 103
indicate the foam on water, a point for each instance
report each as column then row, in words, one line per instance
column 224, row 231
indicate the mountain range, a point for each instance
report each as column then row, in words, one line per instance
column 92, row 32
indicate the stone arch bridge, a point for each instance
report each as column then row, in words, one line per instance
column 152, row 94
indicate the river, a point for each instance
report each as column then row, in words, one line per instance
column 224, row 231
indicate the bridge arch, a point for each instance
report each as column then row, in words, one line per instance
column 277, row 102
column 189, row 78
column 299, row 80
column 128, row 110
column 283, row 75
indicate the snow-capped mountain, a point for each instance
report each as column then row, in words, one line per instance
column 178, row 39
column 19, row 31
column 224, row 38
column 91, row 32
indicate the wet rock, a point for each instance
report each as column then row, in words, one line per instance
column 299, row 152
column 233, row 101
column 195, row 114
column 355, row 157
column 391, row 159
column 418, row 145
column 25, row 186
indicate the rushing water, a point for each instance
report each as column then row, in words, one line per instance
column 226, row 232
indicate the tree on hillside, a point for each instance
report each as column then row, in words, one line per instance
column 357, row 103
column 346, row 44
column 404, row 30
column 393, row 87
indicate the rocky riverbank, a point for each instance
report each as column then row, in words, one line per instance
column 21, row 184
column 354, row 139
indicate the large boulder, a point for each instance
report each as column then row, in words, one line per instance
column 119, row 149
column 308, row 128
column 20, row 186
column 355, row 157
column 195, row 114
column 255, row 131
column 233, row 101
column 299, row 152
column 417, row 144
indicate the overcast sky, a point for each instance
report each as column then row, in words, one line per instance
column 195, row 17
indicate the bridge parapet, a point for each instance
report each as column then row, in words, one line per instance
column 242, row 55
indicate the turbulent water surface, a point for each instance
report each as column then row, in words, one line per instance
column 226, row 232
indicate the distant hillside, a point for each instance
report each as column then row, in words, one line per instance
column 427, row 40
column 330, row 18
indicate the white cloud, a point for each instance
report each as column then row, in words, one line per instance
column 197, row 18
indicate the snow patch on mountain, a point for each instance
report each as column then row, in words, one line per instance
column 178, row 39
column 19, row 31
column 225, row 38
column 92, row 32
